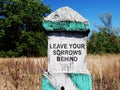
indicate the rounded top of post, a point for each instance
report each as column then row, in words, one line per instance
column 65, row 19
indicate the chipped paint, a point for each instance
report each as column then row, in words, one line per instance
column 65, row 26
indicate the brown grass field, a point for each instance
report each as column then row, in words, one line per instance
column 25, row 73
column 105, row 70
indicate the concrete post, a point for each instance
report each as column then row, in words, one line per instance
column 67, row 67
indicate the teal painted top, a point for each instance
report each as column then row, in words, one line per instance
column 65, row 26
column 65, row 19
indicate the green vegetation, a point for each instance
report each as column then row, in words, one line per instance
column 106, row 40
column 21, row 31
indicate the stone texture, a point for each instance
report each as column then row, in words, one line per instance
column 65, row 14
column 65, row 19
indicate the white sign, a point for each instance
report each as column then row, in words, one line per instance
column 67, row 54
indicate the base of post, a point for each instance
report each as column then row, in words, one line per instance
column 80, row 81
column 46, row 85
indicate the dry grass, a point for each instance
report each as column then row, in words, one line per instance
column 105, row 70
column 25, row 73
column 21, row 73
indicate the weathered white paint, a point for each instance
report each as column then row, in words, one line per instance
column 60, row 81
column 65, row 14
column 65, row 40
column 63, row 72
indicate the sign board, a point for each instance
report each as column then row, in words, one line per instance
column 66, row 53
